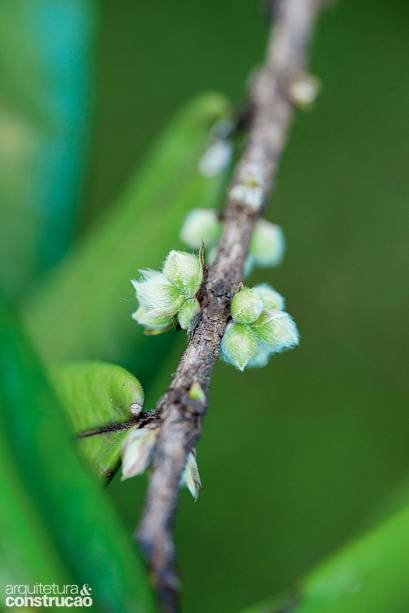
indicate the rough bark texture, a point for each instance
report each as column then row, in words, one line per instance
column 271, row 111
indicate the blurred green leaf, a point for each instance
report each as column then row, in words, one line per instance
column 371, row 574
column 26, row 553
column 84, row 309
column 45, row 67
column 79, row 518
column 96, row 394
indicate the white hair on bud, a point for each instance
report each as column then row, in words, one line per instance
column 246, row 306
column 155, row 292
column 270, row 298
column 239, row 345
column 277, row 330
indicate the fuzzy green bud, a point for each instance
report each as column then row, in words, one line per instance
column 137, row 451
column 267, row 244
column 201, row 226
column 246, row 306
column 188, row 310
column 151, row 319
column 191, row 476
column 184, row 271
column 276, row 330
column 239, row 345
column 270, row 298
column 156, row 293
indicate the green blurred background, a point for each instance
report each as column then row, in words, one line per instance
column 299, row 457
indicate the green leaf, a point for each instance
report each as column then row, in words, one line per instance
column 27, row 554
column 44, row 113
column 95, row 394
column 84, row 310
column 79, row 517
column 370, row 574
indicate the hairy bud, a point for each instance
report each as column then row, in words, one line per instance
column 156, row 293
column 184, row 271
column 188, row 310
column 201, row 226
column 270, row 298
column 137, row 451
column 246, row 306
column 267, row 244
column 239, row 345
column 277, row 330
column 191, row 477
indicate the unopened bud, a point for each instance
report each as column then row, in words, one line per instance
column 267, row 244
column 137, row 451
column 156, row 293
column 188, row 310
column 246, row 306
column 201, row 226
column 196, row 392
column 215, row 158
column 303, row 90
column 270, row 298
column 184, row 271
column 190, row 476
column 239, row 345
column 277, row 330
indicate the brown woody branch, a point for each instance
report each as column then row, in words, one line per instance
column 181, row 417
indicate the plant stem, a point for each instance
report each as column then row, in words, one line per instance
column 271, row 112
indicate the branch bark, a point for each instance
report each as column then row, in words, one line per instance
column 181, row 417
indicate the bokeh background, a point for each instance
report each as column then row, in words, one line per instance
column 299, row 457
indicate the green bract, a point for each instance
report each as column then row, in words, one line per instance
column 260, row 328
column 162, row 296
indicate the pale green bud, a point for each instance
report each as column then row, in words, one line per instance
column 201, row 226
column 155, row 292
column 137, row 451
column 260, row 359
column 269, row 297
column 190, row 476
column 303, row 90
column 151, row 318
column 277, row 330
column 188, row 310
column 239, row 345
column 184, row 271
column 267, row 244
column 246, row 306
column 215, row 158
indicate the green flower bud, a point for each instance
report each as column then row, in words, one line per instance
column 246, row 306
column 239, row 345
column 269, row 297
column 267, row 244
column 201, row 226
column 188, row 310
column 137, row 451
column 191, row 477
column 277, row 330
column 151, row 318
column 184, row 271
column 196, row 392
column 155, row 292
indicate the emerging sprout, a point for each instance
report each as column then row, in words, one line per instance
column 260, row 328
column 196, row 392
column 164, row 295
column 201, row 226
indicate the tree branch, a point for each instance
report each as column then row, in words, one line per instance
column 252, row 183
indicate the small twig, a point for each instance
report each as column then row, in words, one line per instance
column 182, row 417
column 142, row 420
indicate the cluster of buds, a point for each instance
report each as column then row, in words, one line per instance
column 267, row 243
column 138, row 452
column 169, row 296
column 259, row 328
